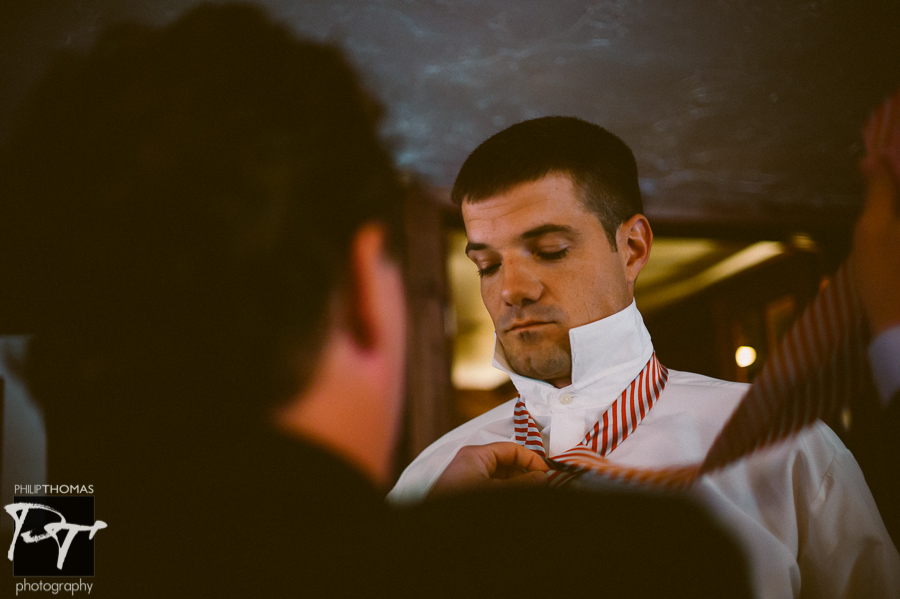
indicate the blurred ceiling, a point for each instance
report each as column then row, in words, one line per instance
column 735, row 109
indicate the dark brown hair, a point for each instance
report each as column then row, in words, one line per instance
column 601, row 166
column 178, row 205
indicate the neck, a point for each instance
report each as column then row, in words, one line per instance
column 349, row 410
column 563, row 381
column 605, row 355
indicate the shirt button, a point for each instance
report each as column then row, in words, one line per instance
column 565, row 399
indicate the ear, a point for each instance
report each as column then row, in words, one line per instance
column 376, row 308
column 353, row 405
column 634, row 240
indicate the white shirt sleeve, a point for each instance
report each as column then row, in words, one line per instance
column 844, row 549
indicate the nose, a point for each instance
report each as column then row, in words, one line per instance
column 520, row 285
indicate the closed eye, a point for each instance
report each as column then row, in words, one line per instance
column 550, row 256
column 488, row 270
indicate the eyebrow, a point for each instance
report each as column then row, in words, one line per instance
column 529, row 234
column 544, row 229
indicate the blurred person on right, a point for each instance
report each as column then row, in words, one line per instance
column 876, row 264
column 876, row 246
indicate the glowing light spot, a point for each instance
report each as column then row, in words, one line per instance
column 745, row 356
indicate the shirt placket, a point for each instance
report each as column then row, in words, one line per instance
column 567, row 426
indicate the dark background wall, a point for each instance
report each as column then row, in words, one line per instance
column 737, row 110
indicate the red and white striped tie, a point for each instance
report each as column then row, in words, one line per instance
column 819, row 369
column 619, row 420
column 820, row 366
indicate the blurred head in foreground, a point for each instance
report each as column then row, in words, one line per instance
column 198, row 218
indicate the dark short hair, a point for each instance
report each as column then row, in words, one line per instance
column 178, row 206
column 600, row 165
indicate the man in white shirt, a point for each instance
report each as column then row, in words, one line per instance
column 212, row 275
column 553, row 214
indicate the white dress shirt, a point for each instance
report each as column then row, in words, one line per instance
column 801, row 507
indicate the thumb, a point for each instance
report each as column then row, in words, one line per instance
column 534, row 478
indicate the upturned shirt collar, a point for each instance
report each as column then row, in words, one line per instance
column 606, row 356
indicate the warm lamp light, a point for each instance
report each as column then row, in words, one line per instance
column 745, row 356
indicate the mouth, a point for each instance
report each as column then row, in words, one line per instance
column 526, row 326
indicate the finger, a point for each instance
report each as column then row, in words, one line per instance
column 881, row 126
column 886, row 122
column 882, row 203
column 881, row 135
column 505, row 472
column 891, row 150
column 513, row 455
column 892, row 119
column 870, row 131
column 525, row 479
column 513, row 472
column 872, row 161
column 884, row 129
